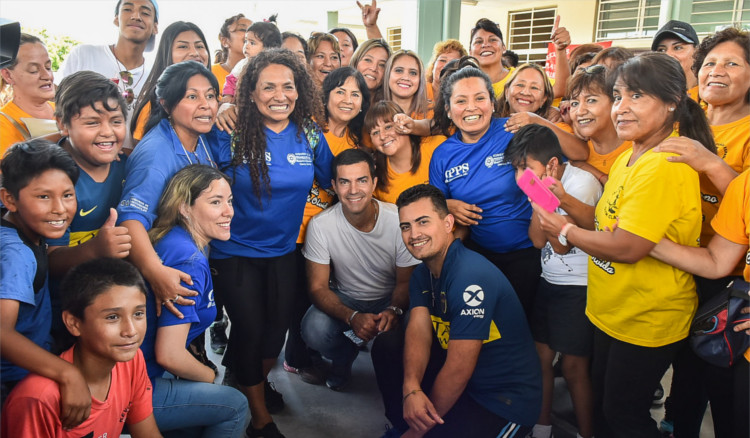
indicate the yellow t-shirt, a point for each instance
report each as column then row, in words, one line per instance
column 603, row 163
column 647, row 303
column 140, row 124
column 221, row 76
column 398, row 182
column 733, row 146
column 693, row 94
column 319, row 199
column 732, row 221
column 8, row 132
column 499, row 86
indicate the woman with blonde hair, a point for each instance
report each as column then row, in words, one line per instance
column 370, row 59
column 325, row 56
column 443, row 52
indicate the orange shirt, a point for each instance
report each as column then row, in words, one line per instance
column 319, row 199
column 398, row 182
column 140, row 124
column 221, row 76
column 603, row 163
column 9, row 134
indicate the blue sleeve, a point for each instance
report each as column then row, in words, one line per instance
column 419, row 294
column 189, row 312
column 472, row 304
column 144, row 183
column 17, row 271
column 323, row 159
column 220, row 147
column 436, row 174
column 62, row 241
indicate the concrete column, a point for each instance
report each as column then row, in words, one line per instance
column 333, row 19
column 437, row 20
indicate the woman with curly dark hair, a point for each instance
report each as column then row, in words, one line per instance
column 274, row 154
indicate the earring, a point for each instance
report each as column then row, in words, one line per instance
column 671, row 109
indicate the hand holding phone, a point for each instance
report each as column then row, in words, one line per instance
column 538, row 190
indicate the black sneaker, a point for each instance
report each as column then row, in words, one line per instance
column 268, row 431
column 218, row 333
column 274, row 399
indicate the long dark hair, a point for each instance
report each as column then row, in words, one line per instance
column 222, row 54
column 162, row 61
column 249, row 138
column 171, row 87
column 336, row 79
column 661, row 76
column 384, row 111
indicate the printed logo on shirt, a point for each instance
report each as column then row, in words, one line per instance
column 711, row 199
column 456, row 172
column 721, row 151
column 87, row 212
column 301, row 158
column 604, row 265
column 211, row 302
column 268, row 158
column 495, row 160
column 473, row 296
column 613, row 204
column 442, row 330
column 315, row 198
column 135, row 203
column 124, row 413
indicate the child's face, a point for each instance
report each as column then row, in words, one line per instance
column 113, row 326
column 539, row 169
column 44, row 207
column 96, row 135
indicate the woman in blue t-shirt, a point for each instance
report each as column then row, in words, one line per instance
column 272, row 157
column 195, row 208
column 479, row 184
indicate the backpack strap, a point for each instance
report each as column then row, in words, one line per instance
column 18, row 126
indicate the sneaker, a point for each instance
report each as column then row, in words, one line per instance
column 268, row 431
column 312, row 375
column 339, row 377
column 218, row 332
column 274, row 399
column 391, row 432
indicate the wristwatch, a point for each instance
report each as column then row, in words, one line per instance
column 563, row 236
column 396, row 310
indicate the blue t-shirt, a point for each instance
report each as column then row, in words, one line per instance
column 271, row 229
column 94, row 201
column 23, row 278
column 477, row 173
column 150, row 167
column 178, row 250
column 472, row 299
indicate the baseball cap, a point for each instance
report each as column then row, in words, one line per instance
column 679, row 29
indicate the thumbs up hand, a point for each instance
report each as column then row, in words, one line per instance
column 112, row 241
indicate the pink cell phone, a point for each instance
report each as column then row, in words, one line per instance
column 538, row 190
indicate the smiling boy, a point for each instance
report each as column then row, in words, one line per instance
column 38, row 190
column 105, row 309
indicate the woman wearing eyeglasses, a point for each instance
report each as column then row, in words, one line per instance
column 181, row 41
column 30, row 77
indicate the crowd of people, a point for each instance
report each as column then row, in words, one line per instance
column 316, row 195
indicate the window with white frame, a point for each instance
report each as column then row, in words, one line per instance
column 708, row 16
column 394, row 38
column 529, row 33
column 620, row 19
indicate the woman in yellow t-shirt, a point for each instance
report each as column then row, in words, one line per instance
column 641, row 307
column 442, row 53
column 30, row 75
column 402, row 161
column 590, row 107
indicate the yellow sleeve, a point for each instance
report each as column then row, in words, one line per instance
column 732, row 222
column 140, row 124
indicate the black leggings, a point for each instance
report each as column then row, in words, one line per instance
column 258, row 294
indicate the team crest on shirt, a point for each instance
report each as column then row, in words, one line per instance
column 495, row 160
column 721, row 150
column 301, row 158
column 473, row 297
column 612, row 204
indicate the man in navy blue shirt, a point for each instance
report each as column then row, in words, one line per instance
column 487, row 376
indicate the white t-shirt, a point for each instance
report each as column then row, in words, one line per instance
column 100, row 59
column 363, row 264
column 571, row 268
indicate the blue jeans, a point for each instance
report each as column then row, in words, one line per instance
column 326, row 335
column 198, row 409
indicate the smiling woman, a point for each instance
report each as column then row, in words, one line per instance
column 30, row 75
column 405, row 83
column 325, row 55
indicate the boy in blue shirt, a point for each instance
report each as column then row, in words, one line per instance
column 38, row 190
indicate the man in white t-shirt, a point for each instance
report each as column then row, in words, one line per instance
column 122, row 61
column 358, row 268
